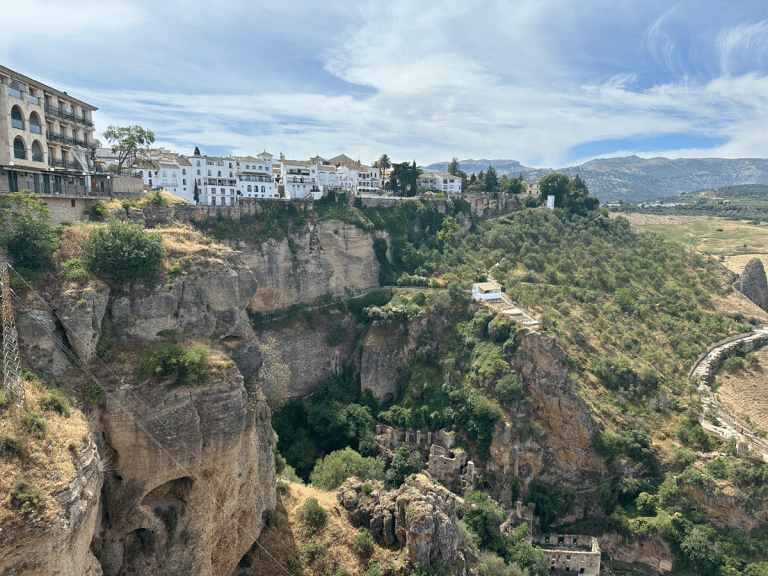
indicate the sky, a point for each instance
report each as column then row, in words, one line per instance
column 550, row 83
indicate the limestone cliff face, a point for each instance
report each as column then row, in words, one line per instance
column 384, row 361
column 59, row 547
column 328, row 257
column 753, row 283
column 563, row 453
column 305, row 353
column 653, row 554
column 208, row 301
column 193, row 504
column 725, row 511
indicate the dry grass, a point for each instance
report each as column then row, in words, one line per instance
column 745, row 393
column 188, row 247
column 72, row 240
column 279, row 547
column 166, row 195
column 658, row 219
column 48, row 464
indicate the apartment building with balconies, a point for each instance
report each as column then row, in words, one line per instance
column 46, row 138
column 295, row 180
column 254, row 176
column 216, row 179
column 441, row 182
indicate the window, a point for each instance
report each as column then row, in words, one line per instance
column 183, row 170
column 198, row 163
column 17, row 120
column 230, row 164
column 575, row 541
column 262, row 189
column 219, row 173
column 184, row 181
column 249, row 188
column 209, row 172
column 247, row 167
column 165, row 174
column 198, row 173
column 560, row 539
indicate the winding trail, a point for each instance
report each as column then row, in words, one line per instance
column 702, row 373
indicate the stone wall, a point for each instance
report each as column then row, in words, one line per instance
column 570, row 553
column 69, row 208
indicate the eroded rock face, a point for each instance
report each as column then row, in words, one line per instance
column 725, row 512
column 384, row 361
column 420, row 516
column 60, row 547
column 81, row 314
column 753, row 283
column 38, row 336
column 307, row 353
column 653, row 554
column 563, row 453
column 194, row 504
column 328, row 257
column 208, row 302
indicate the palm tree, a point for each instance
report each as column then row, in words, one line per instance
column 384, row 163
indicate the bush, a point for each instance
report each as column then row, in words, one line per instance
column 99, row 211
column 25, row 232
column 171, row 361
column 313, row 551
column 363, row 543
column 124, row 251
column 10, row 447
column 156, row 197
column 373, row 570
column 25, row 497
column 56, row 402
column 313, row 515
column 75, row 269
column 405, row 463
column 6, row 401
column 331, row 472
column 36, row 425
column 93, row 393
column 733, row 364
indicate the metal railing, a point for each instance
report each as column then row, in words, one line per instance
column 15, row 93
column 38, row 157
column 33, row 99
column 19, row 154
column 50, row 110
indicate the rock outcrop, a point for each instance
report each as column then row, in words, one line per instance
column 190, row 503
column 329, row 257
column 753, row 283
column 420, row 516
column 726, row 512
column 209, row 302
column 654, row 554
column 59, row 546
column 562, row 452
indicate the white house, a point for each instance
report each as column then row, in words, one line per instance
column 216, row 180
column 254, row 176
column 485, row 291
column 295, row 179
column 441, row 182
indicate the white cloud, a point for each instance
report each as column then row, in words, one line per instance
column 743, row 45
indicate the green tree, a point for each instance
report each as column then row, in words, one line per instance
column 555, row 184
column 25, row 231
column 453, row 167
column 196, row 194
column 515, row 186
column 197, row 151
column 491, row 179
column 384, row 163
column 331, row 472
column 405, row 463
column 123, row 250
column 127, row 142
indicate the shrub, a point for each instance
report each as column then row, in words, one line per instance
column 75, row 269
column 124, row 251
column 93, row 393
column 25, row 497
column 35, row 425
column 313, row 515
column 99, row 211
column 733, row 364
column 156, row 197
column 404, row 463
column 171, row 361
column 313, row 551
column 6, row 401
column 56, row 402
column 130, row 204
column 10, row 447
column 25, row 232
column 373, row 570
column 331, row 472
column 363, row 543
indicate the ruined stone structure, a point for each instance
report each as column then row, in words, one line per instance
column 570, row 553
column 445, row 462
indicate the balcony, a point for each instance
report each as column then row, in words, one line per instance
column 33, row 99
column 19, row 154
column 14, row 90
column 34, row 128
column 18, row 124
column 51, row 111
column 38, row 157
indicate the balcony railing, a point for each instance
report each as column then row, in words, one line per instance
column 34, row 128
column 37, row 157
column 17, row 124
column 33, row 99
column 19, row 154
column 50, row 110
column 15, row 93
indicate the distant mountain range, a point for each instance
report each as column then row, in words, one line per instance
column 634, row 179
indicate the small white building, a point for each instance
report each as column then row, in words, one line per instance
column 295, row 180
column 441, row 182
column 216, row 180
column 485, row 291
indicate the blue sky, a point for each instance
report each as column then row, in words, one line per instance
column 549, row 83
